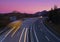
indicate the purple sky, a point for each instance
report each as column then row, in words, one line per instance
column 27, row 6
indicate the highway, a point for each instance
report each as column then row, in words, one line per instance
column 29, row 30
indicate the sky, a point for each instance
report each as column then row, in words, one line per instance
column 27, row 6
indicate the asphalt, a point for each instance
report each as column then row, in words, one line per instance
column 31, row 30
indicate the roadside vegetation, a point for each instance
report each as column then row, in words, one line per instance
column 53, row 20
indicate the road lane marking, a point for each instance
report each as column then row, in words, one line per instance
column 17, row 28
column 11, row 25
column 47, row 38
column 15, row 32
column 31, row 35
column 21, row 34
column 25, row 35
column 52, row 33
column 36, row 36
column 7, row 34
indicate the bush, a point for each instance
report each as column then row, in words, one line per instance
column 54, row 16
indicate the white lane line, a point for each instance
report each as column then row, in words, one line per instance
column 21, row 35
column 18, row 25
column 31, row 35
column 36, row 36
column 25, row 35
column 47, row 38
column 7, row 34
column 52, row 34
column 15, row 31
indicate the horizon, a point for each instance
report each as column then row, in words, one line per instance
column 27, row 6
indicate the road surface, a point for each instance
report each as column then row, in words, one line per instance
column 29, row 30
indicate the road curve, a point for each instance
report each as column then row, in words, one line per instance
column 30, row 30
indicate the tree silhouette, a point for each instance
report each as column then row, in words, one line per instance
column 54, row 15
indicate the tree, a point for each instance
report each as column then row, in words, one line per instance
column 54, row 15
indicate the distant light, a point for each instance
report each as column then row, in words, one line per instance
column 41, row 17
